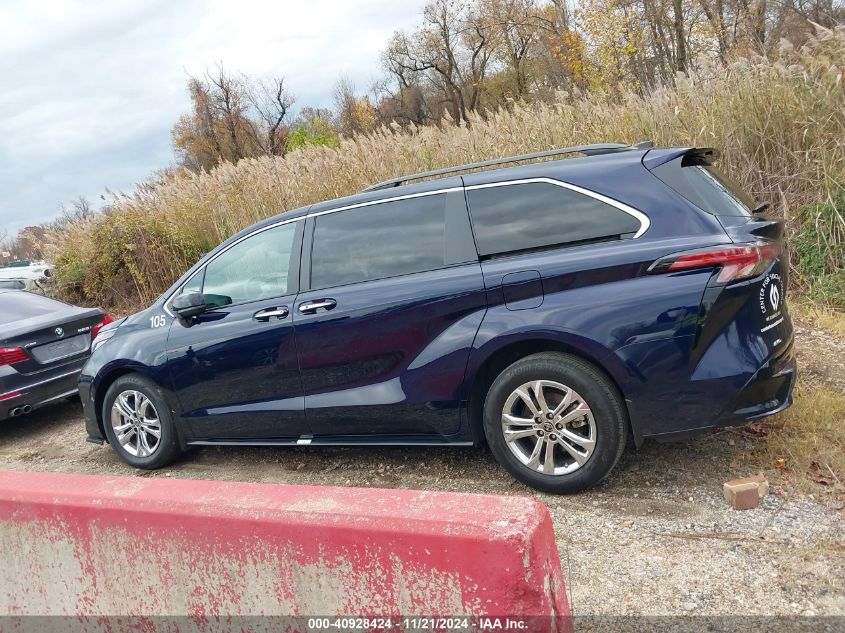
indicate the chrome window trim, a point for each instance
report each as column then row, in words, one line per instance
column 370, row 203
column 645, row 223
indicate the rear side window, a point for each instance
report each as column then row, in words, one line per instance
column 535, row 215
column 17, row 305
column 705, row 186
column 378, row 241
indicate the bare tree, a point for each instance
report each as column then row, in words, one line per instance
column 517, row 26
column 272, row 102
column 714, row 10
column 477, row 36
column 79, row 209
column 232, row 117
column 402, row 102
column 407, row 104
column 200, row 94
column 346, row 104
column 680, row 36
column 451, row 50
column 229, row 99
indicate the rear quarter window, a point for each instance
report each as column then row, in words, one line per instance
column 525, row 216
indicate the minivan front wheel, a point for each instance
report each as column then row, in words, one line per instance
column 555, row 423
column 138, row 423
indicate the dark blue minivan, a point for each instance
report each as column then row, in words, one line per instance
column 552, row 309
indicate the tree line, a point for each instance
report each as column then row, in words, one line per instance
column 472, row 57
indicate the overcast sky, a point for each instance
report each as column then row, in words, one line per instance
column 90, row 88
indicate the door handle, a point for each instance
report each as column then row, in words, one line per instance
column 310, row 307
column 265, row 315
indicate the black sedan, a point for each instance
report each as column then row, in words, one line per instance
column 43, row 345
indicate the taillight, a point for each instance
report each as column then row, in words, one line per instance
column 12, row 355
column 96, row 329
column 737, row 261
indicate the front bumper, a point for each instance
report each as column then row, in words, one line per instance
column 92, row 426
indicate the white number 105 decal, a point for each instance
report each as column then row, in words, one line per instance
column 158, row 321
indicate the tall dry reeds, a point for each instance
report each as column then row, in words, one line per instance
column 780, row 126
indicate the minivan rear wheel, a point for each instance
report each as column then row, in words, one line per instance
column 555, row 422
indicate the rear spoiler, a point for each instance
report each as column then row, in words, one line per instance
column 691, row 155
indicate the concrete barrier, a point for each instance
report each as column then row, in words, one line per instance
column 128, row 546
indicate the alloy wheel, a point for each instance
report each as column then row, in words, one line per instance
column 549, row 427
column 135, row 423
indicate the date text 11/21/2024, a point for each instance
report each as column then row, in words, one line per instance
column 419, row 623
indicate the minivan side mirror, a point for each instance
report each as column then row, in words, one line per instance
column 189, row 305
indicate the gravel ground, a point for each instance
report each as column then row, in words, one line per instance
column 656, row 538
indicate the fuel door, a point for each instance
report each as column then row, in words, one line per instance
column 523, row 290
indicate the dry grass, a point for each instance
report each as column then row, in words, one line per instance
column 828, row 319
column 781, row 127
column 807, row 441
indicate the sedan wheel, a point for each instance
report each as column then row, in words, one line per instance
column 136, row 423
column 549, row 427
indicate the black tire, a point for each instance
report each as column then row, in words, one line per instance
column 167, row 449
column 610, row 429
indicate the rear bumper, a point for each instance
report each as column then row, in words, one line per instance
column 768, row 392
column 35, row 391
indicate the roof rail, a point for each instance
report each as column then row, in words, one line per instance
column 589, row 150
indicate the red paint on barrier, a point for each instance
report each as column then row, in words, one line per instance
column 126, row 546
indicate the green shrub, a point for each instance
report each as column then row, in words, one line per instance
column 819, row 245
column 829, row 290
column 819, row 240
column 315, row 131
